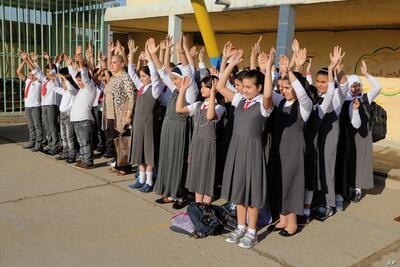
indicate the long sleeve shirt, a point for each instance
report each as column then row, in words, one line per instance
column 68, row 96
column 48, row 94
column 156, row 85
column 82, row 107
column 191, row 92
column 304, row 101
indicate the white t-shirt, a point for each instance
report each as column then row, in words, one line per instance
column 33, row 98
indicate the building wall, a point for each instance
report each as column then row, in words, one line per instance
column 384, row 63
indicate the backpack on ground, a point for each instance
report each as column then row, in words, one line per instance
column 181, row 223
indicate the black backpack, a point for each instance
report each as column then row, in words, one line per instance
column 377, row 120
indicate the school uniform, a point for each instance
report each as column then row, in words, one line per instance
column 203, row 149
column 143, row 147
column 32, row 99
column 49, row 108
column 287, row 151
column 98, row 134
column 66, row 126
column 245, row 172
column 355, row 165
column 174, row 141
column 81, row 115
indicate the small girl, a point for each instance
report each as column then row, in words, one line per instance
column 202, row 152
column 143, row 148
column 245, row 176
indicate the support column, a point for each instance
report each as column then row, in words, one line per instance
column 106, row 38
column 286, row 28
column 174, row 30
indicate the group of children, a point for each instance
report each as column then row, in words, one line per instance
column 259, row 137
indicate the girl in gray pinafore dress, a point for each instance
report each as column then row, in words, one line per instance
column 287, row 151
column 142, row 145
column 202, row 151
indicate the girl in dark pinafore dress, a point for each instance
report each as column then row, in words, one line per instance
column 245, row 174
column 356, row 169
column 174, row 133
column 287, row 152
column 142, row 145
column 203, row 149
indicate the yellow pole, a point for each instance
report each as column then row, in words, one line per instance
column 204, row 23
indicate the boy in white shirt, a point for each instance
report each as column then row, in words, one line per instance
column 81, row 111
column 32, row 106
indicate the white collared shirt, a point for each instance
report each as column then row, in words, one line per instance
column 68, row 97
column 82, row 107
column 50, row 98
column 219, row 110
column 34, row 95
column 237, row 97
column 156, row 85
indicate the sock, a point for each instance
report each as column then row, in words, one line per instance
column 251, row 231
column 307, row 212
column 339, row 198
column 142, row 177
column 149, row 178
column 242, row 227
column 308, row 196
column 358, row 190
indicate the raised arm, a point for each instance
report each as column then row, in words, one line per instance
column 202, row 66
column 156, row 86
column 180, row 106
column 308, row 72
column 167, row 56
column 221, row 85
column 20, row 71
column 255, row 51
column 211, row 114
column 226, row 54
column 89, row 57
column 83, row 69
column 49, row 61
column 376, row 86
column 267, row 97
column 181, row 52
column 110, row 53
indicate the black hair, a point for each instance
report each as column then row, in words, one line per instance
column 79, row 75
column 64, row 71
column 258, row 76
column 323, row 71
column 235, row 70
column 240, row 75
column 54, row 67
column 145, row 69
column 208, row 80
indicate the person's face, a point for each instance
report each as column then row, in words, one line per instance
column 205, row 91
column 116, row 65
column 176, row 80
column 280, row 86
column 356, row 89
column 288, row 91
column 322, row 83
column 250, row 89
column 239, row 86
column 31, row 76
column 144, row 78
column 80, row 83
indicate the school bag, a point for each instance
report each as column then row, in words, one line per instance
column 377, row 120
column 209, row 219
column 181, row 223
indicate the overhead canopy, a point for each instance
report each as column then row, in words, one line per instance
column 333, row 16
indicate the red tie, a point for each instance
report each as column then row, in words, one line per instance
column 44, row 88
column 204, row 106
column 140, row 90
column 27, row 89
column 247, row 104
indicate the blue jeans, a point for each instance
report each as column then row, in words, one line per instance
column 84, row 134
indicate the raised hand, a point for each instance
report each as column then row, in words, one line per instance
column 185, row 43
column 283, row 64
column 227, row 52
column 111, row 47
column 67, row 60
column 59, row 58
column 295, row 46
column 179, row 45
column 214, row 71
column 213, row 86
column 151, row 45
column 131, row 46
column 237, row 57
column 356, row 104
column 263, row 61
column 34, row 56
column 185, row 83
column 309, row 66
column 78, row 50
column 271, row 57
column 336, row 57
column 163, row 45
column 202, row 54
column 46, row 55
column 89, row 51
column 193, row 52
column 23, row 55
column 363, row 68
column 300, row 57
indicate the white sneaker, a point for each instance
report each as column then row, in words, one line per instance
column 248, row 241
column 235, row 236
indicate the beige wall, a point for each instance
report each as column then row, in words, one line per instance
column 356, row 44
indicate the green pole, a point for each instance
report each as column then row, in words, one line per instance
column 4, row 56
column 102, row 26
column 56, row 25
column 34, row 27
column 63, row 26
column 19, row 47
column 95, row 30
column 41, row 33
column 83, row 26
column 28, row 17
column 90, row 21
column 11, row 60
column 49, row 29
column 70, row 28
column 76, row 24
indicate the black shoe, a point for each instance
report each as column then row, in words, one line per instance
column 107, row 155
column 51, row 152
column 285, row 233
column 28, row 146
column 70, row 161
column 322, row 213
column 61, row 157
column 303, row 220
column 36, row 149
column 179, row 205
column 356, row 196
column 273, row 228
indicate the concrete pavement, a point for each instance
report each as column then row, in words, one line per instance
column 52, row 214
